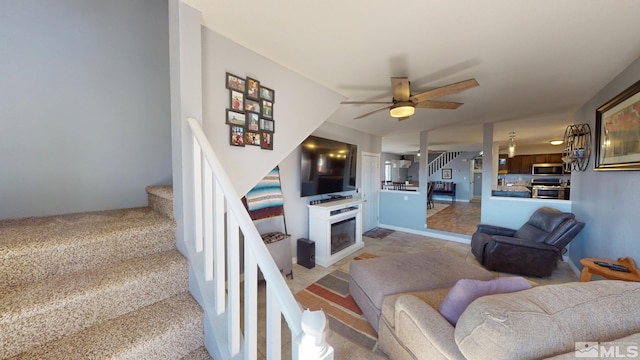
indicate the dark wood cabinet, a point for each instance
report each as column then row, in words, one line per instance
column 555, row 158
column 514, row 165
column 521, row 164
column 525, row 164
column 540, row 158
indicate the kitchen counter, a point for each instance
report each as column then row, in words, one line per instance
column 511, row 191
column 517, row 188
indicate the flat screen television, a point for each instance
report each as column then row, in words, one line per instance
column 327, row 166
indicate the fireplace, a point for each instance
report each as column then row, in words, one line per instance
column 343, row 234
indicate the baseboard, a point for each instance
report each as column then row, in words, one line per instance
column 572, row 265
column 465, row 239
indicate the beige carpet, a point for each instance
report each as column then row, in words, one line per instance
column 437, row 207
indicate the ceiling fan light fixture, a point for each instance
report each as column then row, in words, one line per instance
column 402, row 109
column 556, row 142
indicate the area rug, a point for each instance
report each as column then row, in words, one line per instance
column 378, row 233
column 437, row 207
column 331, row 294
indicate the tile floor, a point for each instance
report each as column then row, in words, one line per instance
column 396, row 243
column 459, row 217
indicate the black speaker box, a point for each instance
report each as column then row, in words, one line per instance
column 306, row 253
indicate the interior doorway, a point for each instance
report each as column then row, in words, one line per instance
column 369, row 191
column 462, row 216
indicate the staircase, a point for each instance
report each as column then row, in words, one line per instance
column 441, row 161
column 107, row 284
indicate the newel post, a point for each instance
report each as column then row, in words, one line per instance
column 313, row 344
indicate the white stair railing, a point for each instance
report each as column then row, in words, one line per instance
column 219, row 275
column 442, row 160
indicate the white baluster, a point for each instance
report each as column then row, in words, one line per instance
column 313, row 345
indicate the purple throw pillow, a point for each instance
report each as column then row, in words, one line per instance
column 466, row 290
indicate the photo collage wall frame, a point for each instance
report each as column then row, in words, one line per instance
column 250, row 112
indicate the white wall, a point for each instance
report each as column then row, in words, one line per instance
column 300, row 107
column 84, row 105
column 607, row 201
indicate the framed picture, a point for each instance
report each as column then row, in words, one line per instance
column 267, row 94
column 252, row 121
column 618, row 131
column 267, row 125
column 266, row 141
column 446, row 174
column 253, row 88
column 237, row 135
column 252, row 138
column 236, row 100
column 235, row 83
column 235, row 117
column 267, row 109
column 252, row 105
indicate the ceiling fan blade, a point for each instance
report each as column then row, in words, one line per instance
column 365, row 102
column 400, row 87
column 444, row 90
column 436, row 104
column 372, row 112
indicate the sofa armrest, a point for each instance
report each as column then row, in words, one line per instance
column 514, row 241
column 520, row 256
column 423, row 331
column 495, row 230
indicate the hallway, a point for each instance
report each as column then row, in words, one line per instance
column 458, row 217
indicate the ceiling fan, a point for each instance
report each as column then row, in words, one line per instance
column 403, row 104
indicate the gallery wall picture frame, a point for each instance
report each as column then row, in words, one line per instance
column 267, row 125
column 253, row 88
column 267, row 109
column 267, row 94
column 236, row 100
column 252, row 138
column 235, row 83
column 252, row 122
column 618, row 132
column 235, row 117
column 447, row 174
column 266, row 140
column 251, row 105
column 236, row 137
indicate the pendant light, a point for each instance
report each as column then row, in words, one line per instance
column 512, row 144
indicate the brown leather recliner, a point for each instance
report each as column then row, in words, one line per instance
column 534, row 249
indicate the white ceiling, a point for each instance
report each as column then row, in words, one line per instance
column 536, row 61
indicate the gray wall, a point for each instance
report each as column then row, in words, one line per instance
column 84, row 105
column 607, row 201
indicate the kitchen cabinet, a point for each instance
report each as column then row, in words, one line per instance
column 515, row 164
column 547, row 158
column 521, row 164
column 525, row 164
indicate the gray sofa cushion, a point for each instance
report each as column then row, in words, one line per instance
column 546, row 321
column 371, row 280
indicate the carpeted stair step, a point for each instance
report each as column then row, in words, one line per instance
column 32, row 249
column 169, row 329
column 161, row 199
column 34, row 314
column 200, row 353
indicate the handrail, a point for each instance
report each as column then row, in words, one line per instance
column 441, row 160
column 279, row 297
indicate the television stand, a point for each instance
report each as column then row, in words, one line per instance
column 336, row 228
